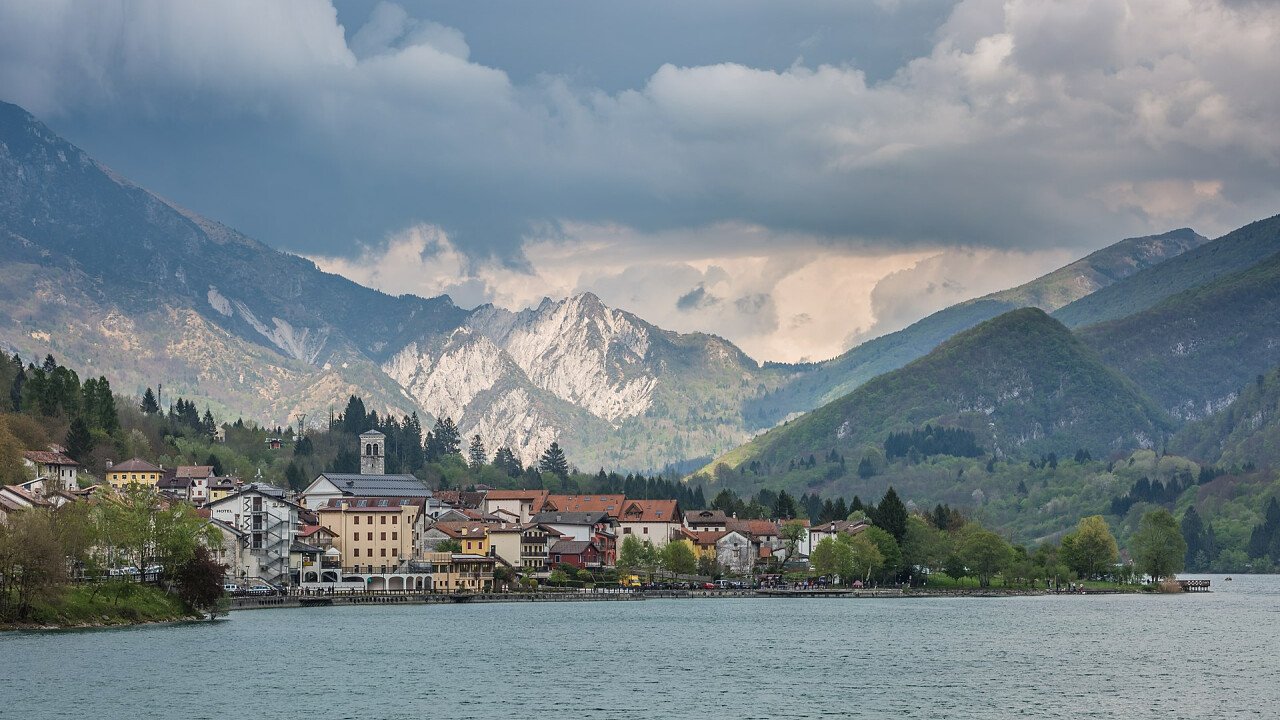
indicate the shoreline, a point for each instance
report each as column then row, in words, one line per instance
column 339, row 600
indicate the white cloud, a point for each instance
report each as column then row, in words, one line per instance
column 785, row 194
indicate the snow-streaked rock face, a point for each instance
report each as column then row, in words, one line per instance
column 580, row 351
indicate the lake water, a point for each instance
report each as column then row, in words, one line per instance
column 1185, row 656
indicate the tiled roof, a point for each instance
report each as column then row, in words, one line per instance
column 46, row 457
column 570, row 518
column 705, row 517
column 571, row 547
column 651, row 511
column 705, row 537
column 378, row 485
column 134, row 465
column 461, row 530
column 845, row 526
column 755, row 528
column 534, row 495
column 194, row 471
column 611, row 504
column 370, row 504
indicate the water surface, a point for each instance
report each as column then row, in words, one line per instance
column 1185, row 656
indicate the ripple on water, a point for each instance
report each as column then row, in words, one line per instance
column 1193, row 656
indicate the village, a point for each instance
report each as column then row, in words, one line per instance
column 374, row 532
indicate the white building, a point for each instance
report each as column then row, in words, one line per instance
column 370, row 482
column 58, row 471
column 269, row 524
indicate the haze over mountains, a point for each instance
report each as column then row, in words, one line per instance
column 106, row 275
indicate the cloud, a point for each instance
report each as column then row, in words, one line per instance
column 789, row 189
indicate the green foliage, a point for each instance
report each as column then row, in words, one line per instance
column 832, row 557
column 891, row 515
column 678, row 557
column 1091, row 550
column 199, row 581
column 1158, row 547
column 985, row 553
column 553, row 461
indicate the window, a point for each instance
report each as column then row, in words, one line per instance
column 355, row 552
column 384, row 520
column 646, row 529
column 370, row 536
column 395, row 535
column 383, row 537
column 557, row 557
column 395, row 519
column 370, row 518
column 383, row 552
column 395, row 552
column 355, row 519
column 626, row 531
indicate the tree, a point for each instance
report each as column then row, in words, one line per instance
column 1158, row 547
column 865, row 468
column 32, row 564
column 679, row 558
column 450, row 546
column 985, row 553
column 891, row 515
column 792, row 534
column 294, row 478
column 213, row 462
column 553, row 461
column 199, row 582
column 80, row 441
column 889, row 549
column 925, row 546
column 149, row 405
column 1092, row 548
column 865, row 556
column 834, row 558
column 785, row 507
column 443, row 440
column 1193, row 534
column 476, row 454
column 506, row 461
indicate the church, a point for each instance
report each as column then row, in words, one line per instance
column 371, row 481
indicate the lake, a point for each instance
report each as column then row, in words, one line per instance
column 1174, row 656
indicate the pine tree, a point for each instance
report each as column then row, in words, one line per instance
column 215, row 463
column 79, row 441
column 207, row 424
column 443, row 440
column 865, row 468
column 476, row 454
column 149, row 406
column 506, row 461
column 891, row 515
column 784, row 507
column 553, row 461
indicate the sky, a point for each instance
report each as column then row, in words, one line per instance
column 797, row 177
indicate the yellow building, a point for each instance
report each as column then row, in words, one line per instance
column 460, row 572
column 133, row 472
column 374, row 534
column 472, row 537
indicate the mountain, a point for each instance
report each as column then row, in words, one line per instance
column 107, row 275
column 1081, row 279
column 1192, row 352
column 1021, row 382
column 1231, row 253
column 1246, row 431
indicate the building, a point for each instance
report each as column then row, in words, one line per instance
column 506, row 542
column 535, row 548
column 736, row 552
column 706, row 520
column 221, row 487
column 825, row 530
column 472, row 537
column 521, row 504
column 581, row 554
column 658, row 521
column 133, row 472
column 704, row 542
column 460, row 572
column 58, row 471
column 374, row 535
column 370, row 482
column 269, row 523
column 596, row 526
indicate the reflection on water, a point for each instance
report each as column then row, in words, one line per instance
column 1185, row 656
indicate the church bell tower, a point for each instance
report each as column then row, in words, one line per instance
column 373, row 448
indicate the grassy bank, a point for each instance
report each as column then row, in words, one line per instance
column 80, row 606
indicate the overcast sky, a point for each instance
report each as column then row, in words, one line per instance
column 796, row 176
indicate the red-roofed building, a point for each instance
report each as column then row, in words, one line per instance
column 657, row 521
column 57, row 470
column 519, row 505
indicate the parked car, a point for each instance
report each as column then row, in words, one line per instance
column 708, row 586
column 259, row 590
column 231, row 588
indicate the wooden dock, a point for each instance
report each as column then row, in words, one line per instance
column 1194, row 585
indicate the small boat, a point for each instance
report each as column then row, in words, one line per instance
column 1228, row 579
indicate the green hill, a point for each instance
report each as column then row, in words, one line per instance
column 1231, row 253
column 1021, row 382
column 1246, row 431
column 824, row 382
column 1193, row 351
